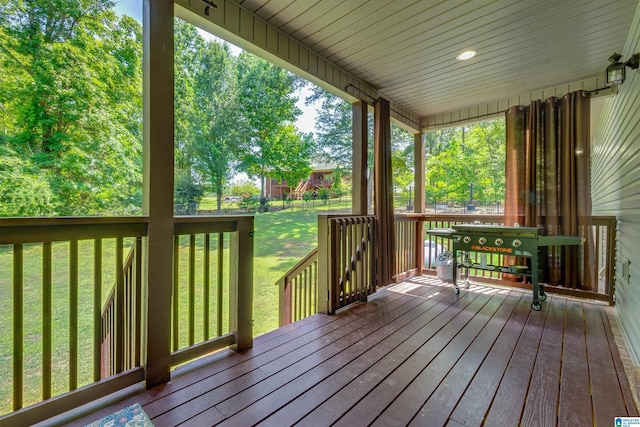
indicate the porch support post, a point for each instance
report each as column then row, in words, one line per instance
column 158, row 184
column 324, row 265
column 418, row 205
column 383, row 193
column 359, row 205
column 241, row 285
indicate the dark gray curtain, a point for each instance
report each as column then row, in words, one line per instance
column 548, row 179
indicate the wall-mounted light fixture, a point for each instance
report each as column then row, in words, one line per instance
column 616, row 71
column 208, row 6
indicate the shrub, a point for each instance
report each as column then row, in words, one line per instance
column 250, row 203
column 324, row 194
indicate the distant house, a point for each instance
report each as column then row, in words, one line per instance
column 320, row 177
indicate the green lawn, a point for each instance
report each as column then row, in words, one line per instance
column 208, row 204
column 281, row 240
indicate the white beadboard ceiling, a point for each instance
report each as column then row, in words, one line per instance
column 406, row 49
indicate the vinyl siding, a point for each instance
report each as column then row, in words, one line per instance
column 616, row 188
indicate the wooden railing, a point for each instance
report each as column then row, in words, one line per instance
column 298, row 290
column 343, row 267
column 68, row 339
column 597, row 253
column 212, row 285
column 346, row 263
column 407, row 228
column 122, row 315
column 51, row 284
column 441, row 243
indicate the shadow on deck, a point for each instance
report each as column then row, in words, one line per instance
column 414, row 354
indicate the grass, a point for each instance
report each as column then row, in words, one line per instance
column 208, row 204
column 281, row 240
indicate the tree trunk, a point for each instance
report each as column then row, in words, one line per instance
column 219, row 196
column 262, row 195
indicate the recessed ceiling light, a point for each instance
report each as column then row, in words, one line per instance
column 466, row 55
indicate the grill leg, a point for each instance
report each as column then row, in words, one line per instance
column 535, row 305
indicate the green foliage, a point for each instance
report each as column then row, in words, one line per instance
column 186, row 190
column 23, row 191
column 70, row 91
column 244, row 188
column 324, row 194
column 269, row 145
column 251, row 203
column 265, row 206
column 291, row 154
column 71, row 112
column 307, row 196
column 333, row 124
column 207, row 115
column 402, row 160
column 337, row 187
column 474, row 154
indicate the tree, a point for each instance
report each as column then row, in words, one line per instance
column 474, row 154
column 292, row 161
column 338, row 186
column 402, row 159
column 244, row 188
column 188, row 47
column 334, row 136
column 71, row 100
column 334, row 127
column 207, row 113
column 23, row 191
column 266, row 98
column 186, row 192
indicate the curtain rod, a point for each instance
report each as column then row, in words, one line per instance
column 374, row 101
column 464, row 120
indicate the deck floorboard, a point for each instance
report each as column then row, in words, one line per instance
column 415, row 354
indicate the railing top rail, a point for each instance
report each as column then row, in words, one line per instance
column 71, row 220
column 584, row 220
column 597, row 220
column 36, row 230
column 209, row 224
column 300, row 266
column 462, row 217
column 184, row 219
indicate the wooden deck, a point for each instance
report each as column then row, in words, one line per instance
column 415, row 354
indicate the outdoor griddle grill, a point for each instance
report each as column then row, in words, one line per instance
column 523, row 242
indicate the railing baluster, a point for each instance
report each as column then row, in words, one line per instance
column 47, row 320
column 192, row 288
column 176, row 293
column 220, row 280
column 97, row 308
column 129, row 316
column 138, row 284
column 342, row 254
column 355, row 264
column 73, row 314
column 305, row 301
column 296, row 288
column 18, row 324
column 351, row 288
column 206, row 285
column 119, row 307
column 315, row 282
